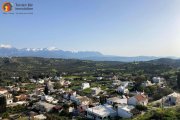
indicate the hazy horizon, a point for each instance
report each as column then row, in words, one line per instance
column 111, row 27
column 54, row 48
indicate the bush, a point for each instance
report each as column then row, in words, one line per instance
column 5, row 115
column 157, row 105
column 87, row 91
column 141, row 107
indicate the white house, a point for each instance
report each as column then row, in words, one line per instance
column 116, row 82
column 123, row 88
column 33, row 80
column 115, row 77
column 99, row 78
column 44, row 106
column 40, row 117
column 101, row 112
column 138, row 99
column 64, row 83
column 85, row 85
column 41, row 81
column 9, row 98
column 117, row 100
column 172, row 99
column 68, row 94
column 57, row 78
column 158, row 80
column 124, row 111
column 50, row 86
column 96, row 90
column 147, row 83
column 80, row 100
column 47, row 98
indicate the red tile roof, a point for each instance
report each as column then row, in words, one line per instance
column 141, row 97
column 2, row 89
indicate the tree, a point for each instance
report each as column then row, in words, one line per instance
column 178, row 80
column 57, row 86
column 2, row 103
column 141, row 107
column 102, row 99
column 138, row 81
column 46, row 90
column 5, row 115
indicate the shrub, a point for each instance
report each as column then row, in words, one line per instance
column 141, row 107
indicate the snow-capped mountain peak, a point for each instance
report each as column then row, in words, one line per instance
column 53, row 52
column 5, row 46
column 52, row 49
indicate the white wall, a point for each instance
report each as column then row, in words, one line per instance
column 85, row 85
column 9, row 101
column 124, row 114
column 132, row 101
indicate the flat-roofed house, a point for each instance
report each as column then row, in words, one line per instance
column 172, row 99
column 116, row 82
column 44, row 106
column 101, row 112
column 158, row 80
column 123, row 88
column 8, row 96
column 147, row 83
column 82, row 101
column 117, row 100
column 124, row 111
column 96, row 90
column 40, row 117
column 85, row 85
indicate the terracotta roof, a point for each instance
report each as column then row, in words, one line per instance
column 2, row 89
column 140, row 97
column 21, row 97
column 58, row 107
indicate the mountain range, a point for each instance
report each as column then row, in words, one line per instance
column 8, row 51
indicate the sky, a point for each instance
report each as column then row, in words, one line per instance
column 112, row 27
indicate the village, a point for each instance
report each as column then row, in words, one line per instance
column 90, row 60
column 100, row 99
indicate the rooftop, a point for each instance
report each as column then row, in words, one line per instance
column 83, row 98
column 102, row 110
column 140, row 97
column 126, row 107
column 2, row 89
column 45, row 104
column 116, row 99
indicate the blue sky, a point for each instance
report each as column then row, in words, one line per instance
column 112, row 27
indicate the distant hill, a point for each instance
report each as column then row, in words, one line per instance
column 23, row 66
column 57, row 53
column 121, row 58
column 166, row 61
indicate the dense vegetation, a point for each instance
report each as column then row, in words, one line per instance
column 161, row 114
column 29, row 67
column 32, row 65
